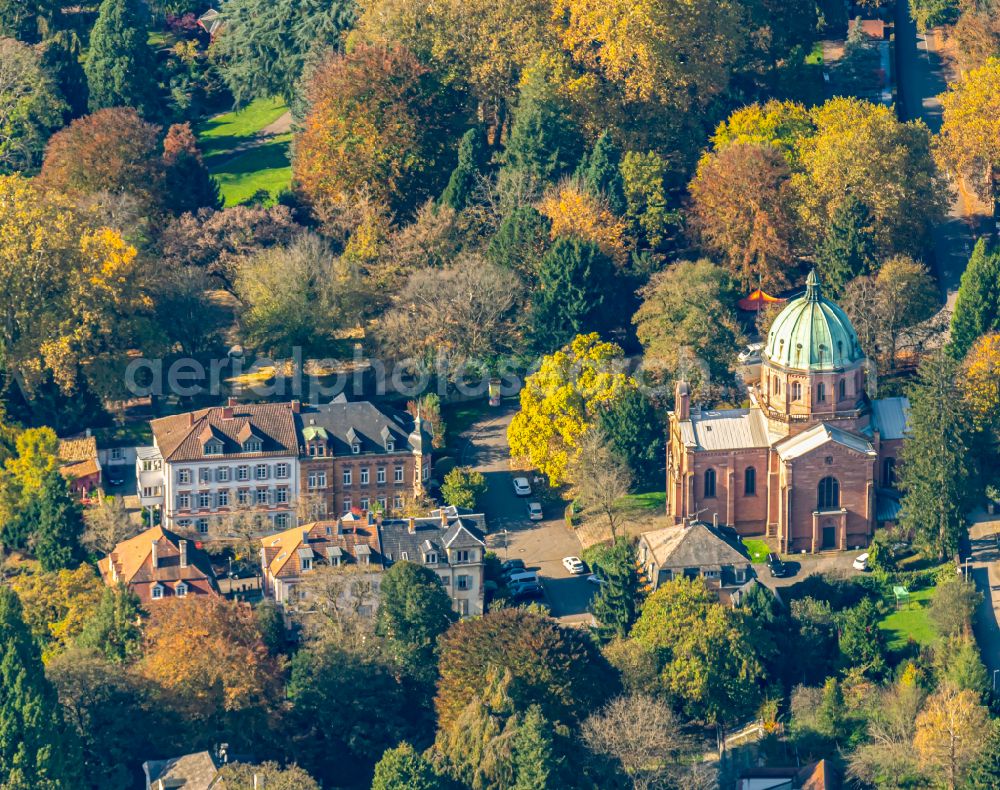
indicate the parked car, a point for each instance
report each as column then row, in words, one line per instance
column 776, row 567
column 535, row 511
column 861, row 562
column 522, row 487
column 595, row 579
column 521, row 577
column 574, row 565
column 116, row 480
column 523, row 592
column 509, row 566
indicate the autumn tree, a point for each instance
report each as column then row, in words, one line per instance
column 57, row 606
column 463, row 487
column 709, row 658
column 953, row 606
column 977, row 306
column 206, row 656
column 862, row 151
column 265, row 46
column 107, row 523
column 296, row 296
column 483, row 46
column 981, row 388
column 687, row 320
column 644, row 735
column 600, row 479
column 883, row 306
column 30, row 106
column 936, row 476
column 378, row 120
column 646, row 206
column 463, row 314
column 644, row 47
column 414, row 610
column 112, row 151
column 36, row 750
column 779, row 124
column 744, row 208
column 636, row 435
column 977, row 36
column 121, row 71
column 187, row 184
column 573, row 209
column 554, row 667
column 574, row 296
column 948, row 738
column 563, row 400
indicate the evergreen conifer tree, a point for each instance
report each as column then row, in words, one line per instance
column 60, row 524
column 936, row 473
column 521, row 240
column 635, row 434
column 848, row 249
column 61, row 59
column 574, row 283
column 20, row 19
column 36, row 750
column 977, row 305
column 544, row 143
column 471, row 158
column 600, row 171
column 120, row 67
column 615, row 606
column 403, row 768
column 536, row 764
column 113, row 629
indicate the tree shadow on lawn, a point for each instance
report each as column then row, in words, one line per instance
column 266, row 156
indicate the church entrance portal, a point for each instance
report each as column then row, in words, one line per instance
column 829, row 537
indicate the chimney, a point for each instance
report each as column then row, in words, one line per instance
column 296, row 406
column 87, row 433
column 715, row 520
column 155, row 555
column 190, row 416
column 340, row 526
column 444, row 519
column 227, row 412
column 682, row 400
column 411, row 526
column 232, row 402
column 183, row 546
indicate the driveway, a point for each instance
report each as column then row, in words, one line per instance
column 921, row 78
column 984, row 566
column 832, row 563
column 541, row 544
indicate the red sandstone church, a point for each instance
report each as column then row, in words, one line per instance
column 812, row 462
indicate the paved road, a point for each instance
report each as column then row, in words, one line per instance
column 921, row 78
column 985, row 570
column 541, row 544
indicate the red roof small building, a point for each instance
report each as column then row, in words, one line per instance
column 758, row 299
column 79, row 464
column 158, row 564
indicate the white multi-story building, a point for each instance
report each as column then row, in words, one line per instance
column 210, row 468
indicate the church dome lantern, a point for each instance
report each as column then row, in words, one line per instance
column 813, row 334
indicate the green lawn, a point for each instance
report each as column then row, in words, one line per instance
column 910, row 621
column 812, row 88
column 757, row 549
column 241, row 162
column 652, row 501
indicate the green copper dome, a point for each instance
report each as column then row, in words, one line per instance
column 812, row 333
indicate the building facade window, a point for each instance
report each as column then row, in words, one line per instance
column 243, row 496
column 281, row 471
column 184, row 477
column 222, row 474
column 157, row 592
column 202, row 526
column 889, row 473
column 204, row 500
column 397, row 503
column 381, row 502
column 181, row 589
column 347, row 477
column 117, row 454
column 260, row 471
column 750, row 481
column 347, row 504
column 430, row 558
column 316, row 480
column 183, row 501
column 223, row 498
column 709, row 486
column 281, row 520
column 796, row 391
column 281, row 496
column 364, row 476
column 390, row 446
column 261, row 496
column 204, row 474
column 355, row 448
column 252, row 446
column 364, row 503
column 828, row 495
column 843, row 388
column 463, row 582
column 821, row 393
column 397, row 473
column 242, row 472
column 380, row 475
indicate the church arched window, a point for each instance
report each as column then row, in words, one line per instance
column 749, row 481
column 843, row 388
column 828, row 494
column 796, row 391
column 821, row 393
column 709, row 483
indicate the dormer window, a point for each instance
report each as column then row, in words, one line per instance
column 430, row 558
column 156, row 593
column 355, row 448
column 390, row 446
column 253, row 446
column 181, row 589
column 213, row 447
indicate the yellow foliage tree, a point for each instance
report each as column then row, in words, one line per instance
column 560, row 403
column 573, row 211
column 646, row 45
column 969, row 141
column 58, row 605
column 37, row 455
column 982, row 381
column 949, row 734
column 68, row 290
column 778, row 123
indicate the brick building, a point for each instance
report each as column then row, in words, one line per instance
column 812, row 461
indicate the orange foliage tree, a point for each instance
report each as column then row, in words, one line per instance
column 379, row 121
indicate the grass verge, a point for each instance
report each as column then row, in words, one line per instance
column 757, row 549
column 911, row 621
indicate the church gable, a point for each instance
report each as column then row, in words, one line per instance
column 822, row 436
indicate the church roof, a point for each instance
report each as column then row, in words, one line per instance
column 817, row 436
column 728, row 429
column 891, row 417
column 812, row 333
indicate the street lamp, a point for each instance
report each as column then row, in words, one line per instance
column 506, row 553
column 995, row 671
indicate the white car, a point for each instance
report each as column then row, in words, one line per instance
column 574, row 565
column 522, row 487
column 535, row 511
column 861, row 562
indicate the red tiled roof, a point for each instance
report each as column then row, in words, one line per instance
column 181, row 437
column 281, row 558
column 133, row 563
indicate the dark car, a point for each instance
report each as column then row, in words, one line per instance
column 512, row 565
column 524, row 592
column 776, row 566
